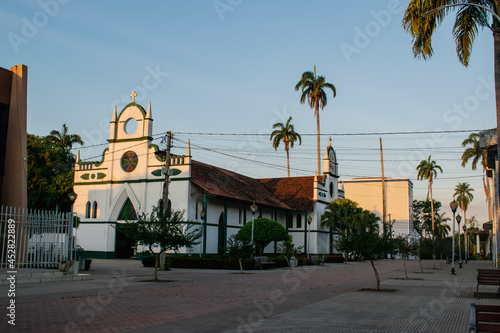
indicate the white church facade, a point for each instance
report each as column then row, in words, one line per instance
column 129, row 181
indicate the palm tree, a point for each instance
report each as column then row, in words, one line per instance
column 442, row 227
column 477, row 153
column 422, row 17
column 339, row 214
column 287, row 134
column 427, row 169
column 63, row 138
column 463, row 195
column 312, row 87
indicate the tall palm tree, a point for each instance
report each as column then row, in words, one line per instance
column 312, row 87
column 427, row 169
column 477, row 154
column 422, row 18
column 442, row 227
column 463, row 195
column 287, row 134
column 65, row 139
column 339, row 214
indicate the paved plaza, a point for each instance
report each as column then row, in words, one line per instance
column 331, row 298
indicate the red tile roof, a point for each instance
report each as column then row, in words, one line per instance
column 232, row 185
column 296, row 192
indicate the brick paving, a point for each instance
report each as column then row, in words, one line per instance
column 121, row 298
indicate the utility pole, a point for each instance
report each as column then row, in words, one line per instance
column 165, row 190
column 384, row 212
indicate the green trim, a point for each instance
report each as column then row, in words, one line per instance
column 98, row 254
column 121, row 182
column 179, row 179
column 157, row 149
column 102, row 160
column 101, row 175
column 132, row 104
column 156, row 173
column 85, row 176
column 97, row 222
column 175, row 172
column 143, row 138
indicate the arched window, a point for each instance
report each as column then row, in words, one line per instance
column 128, row 212
column 87, row 210
column 299, row 221
column 94, row 209
column 240, row 215
column 290, row 221
column 331, row 189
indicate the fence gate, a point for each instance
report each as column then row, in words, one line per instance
column 35, row 239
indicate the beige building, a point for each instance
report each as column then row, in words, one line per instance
column 367, row 192
column 13, row 131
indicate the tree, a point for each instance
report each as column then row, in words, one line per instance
column 64, row 139
column 286, row 133
column 404, row 248
column 50, row 174
column 265, row 232
column 422, row 217
column 463, row 195
column 240, row 249
column 471, row 15
column 161, row 233
column 427, row 169
column 339, row 215
column 478, row 155
column 288, row 249
column 312, row 88
column 361, row 238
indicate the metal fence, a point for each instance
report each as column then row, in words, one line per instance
column 35, row 239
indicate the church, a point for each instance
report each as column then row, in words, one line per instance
column 129, row 181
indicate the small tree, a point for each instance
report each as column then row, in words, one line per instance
column 265, row 232
column 404, row 248
column 288, row 249
column 240, row 249
column 160, row 233
column 362, row 239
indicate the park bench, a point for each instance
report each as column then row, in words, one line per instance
column 262, row 262
column 487, row 277
column 484, row 318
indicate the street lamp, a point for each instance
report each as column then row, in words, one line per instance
column 309, row 220
column 72, row 198
column 202, row 215
column 453, row 206
column 464, row 228
column 253, row 209
column 459, row 218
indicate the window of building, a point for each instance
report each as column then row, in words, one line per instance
column 87, row 210
column 290, row 221
column 94, row 209
column 299, row 221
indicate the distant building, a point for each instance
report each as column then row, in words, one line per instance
column 129, row 181
column 367, row 192
column 13, row 136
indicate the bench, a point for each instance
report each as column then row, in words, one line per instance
column 263, row 261
column 484, row 318
column 487, row 277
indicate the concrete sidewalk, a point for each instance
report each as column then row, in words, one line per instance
column 122, row 298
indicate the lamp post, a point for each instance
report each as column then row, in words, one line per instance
column 464, row 228
column 459, row 218
column 202, row 245
column 253, row 209
column 453, row 206
column 72, row 198
column 309, row 220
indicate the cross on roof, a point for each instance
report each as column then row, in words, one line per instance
column 133, row 94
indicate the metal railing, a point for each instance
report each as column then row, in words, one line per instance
column 35, row 239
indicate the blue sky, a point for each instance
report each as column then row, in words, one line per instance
column 230, row 66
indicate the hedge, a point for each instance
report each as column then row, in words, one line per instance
column 176, row 261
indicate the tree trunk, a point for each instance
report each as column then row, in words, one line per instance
column 241, row 266
column 318, row 137
column 288, row 162
column 496, row 46
column 404, row 262
column 432, row 217
column 377, row 277
column 157, row 261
